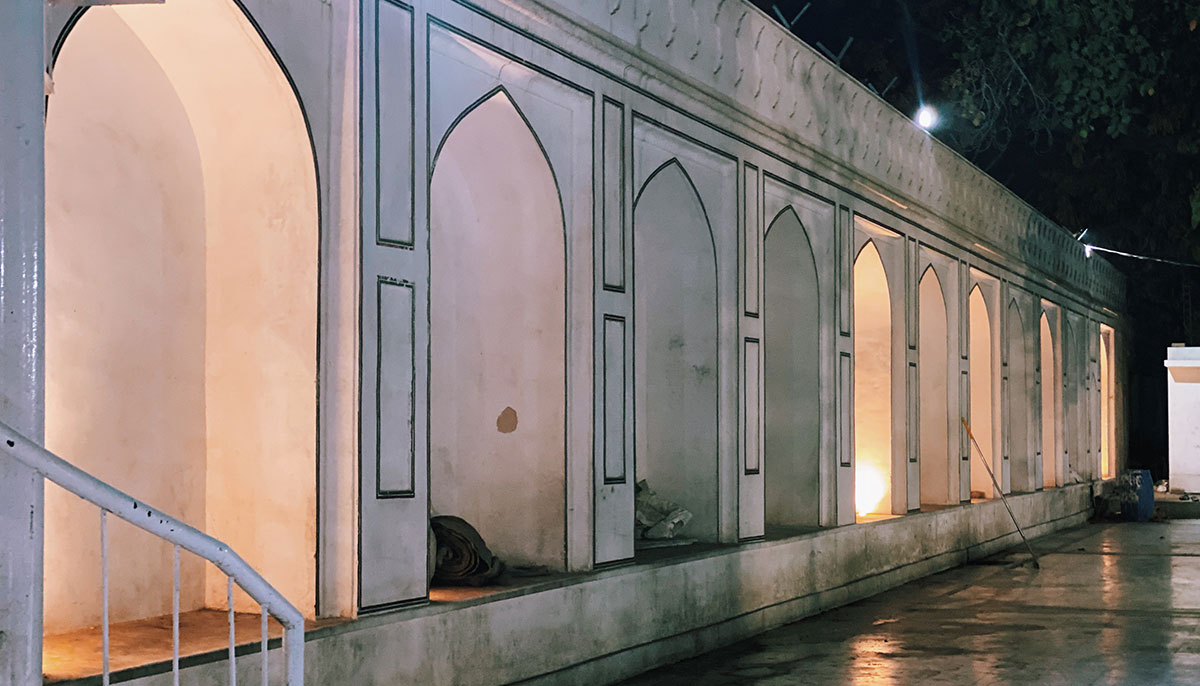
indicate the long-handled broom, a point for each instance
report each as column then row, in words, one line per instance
column 999, row 490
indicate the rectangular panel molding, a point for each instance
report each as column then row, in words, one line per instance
column 964, row 309
column 1005, row 407
column 754, row 237
column 845, row 409
column 615, row 357
column 752, row 429
column 911, row 301
column 613, row 198
column 914, row 425
column 845, row 261
column 964, row 395
column 395, row 444
column 394, row 177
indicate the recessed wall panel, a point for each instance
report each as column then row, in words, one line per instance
column 613, row 150
column 753, row 237
column 615, row 359
column 753, row 416
column 395, row 445
column 394, row 117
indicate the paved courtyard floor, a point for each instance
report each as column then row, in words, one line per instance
column 1111, row 604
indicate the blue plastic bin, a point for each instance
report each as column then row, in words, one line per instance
column 1137, row 503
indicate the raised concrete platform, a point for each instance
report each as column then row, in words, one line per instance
column 612, row 624
column 1172, row 506
column 1111, row 604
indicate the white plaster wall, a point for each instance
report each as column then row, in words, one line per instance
column 934, row 404
column 675, row 348
column 872, row 381
column 1183, row 406
column 792, row 372
column 497, row 384
column 125, row 319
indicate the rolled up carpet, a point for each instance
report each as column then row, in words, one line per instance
column 463, row 559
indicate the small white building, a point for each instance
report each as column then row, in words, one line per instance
column 1183, row 413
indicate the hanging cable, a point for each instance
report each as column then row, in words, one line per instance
column 1088, row 248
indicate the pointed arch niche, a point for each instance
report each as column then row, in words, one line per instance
column 1070, row 400
column 937, row 485
column 792, row 375
column 675, row 347
column 1017, row 397
column 1108, row 405
column 873, row 492
column 982, row 372
column 1049, row 411
column 181, row 306
column 498, row 336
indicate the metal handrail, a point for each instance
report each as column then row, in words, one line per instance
column 109, row 499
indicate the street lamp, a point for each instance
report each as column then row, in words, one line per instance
column 927, row 117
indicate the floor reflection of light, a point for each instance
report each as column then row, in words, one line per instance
column 869, row 488
column 871, row 659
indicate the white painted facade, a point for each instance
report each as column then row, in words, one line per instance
column 1183, row 394
column 503, row 259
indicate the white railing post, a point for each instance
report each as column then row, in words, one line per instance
column 175, row 623
column 104, row 676
column 232, row 633
column 265, row 679
column 108, row 499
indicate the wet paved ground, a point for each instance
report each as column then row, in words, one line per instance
column 1111, row 604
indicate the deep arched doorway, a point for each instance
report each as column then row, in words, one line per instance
column 1017, row 401
column 939, row 483
column 872, row 386
column 182, row 239
column 675, row 347
column 498, row 336
column 981, row 375
column 791, row 330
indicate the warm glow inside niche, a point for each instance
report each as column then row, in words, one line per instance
column 181, row 307
column 872, row 386
column 1107, row 406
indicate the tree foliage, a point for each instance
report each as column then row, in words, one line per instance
column 1052, row 67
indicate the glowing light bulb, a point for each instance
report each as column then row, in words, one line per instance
column 927, row 117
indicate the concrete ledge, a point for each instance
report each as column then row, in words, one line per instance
column 605, row 626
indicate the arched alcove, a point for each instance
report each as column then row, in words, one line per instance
column 1070, row 399
column 675, row 347
column 1049, row 428
column 498, row 336
column 935, row 457
column 982, row 369
column 181, row 306
column 791, row 343
column 1107, row 406
column 1018, row 404
column 872, row 385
